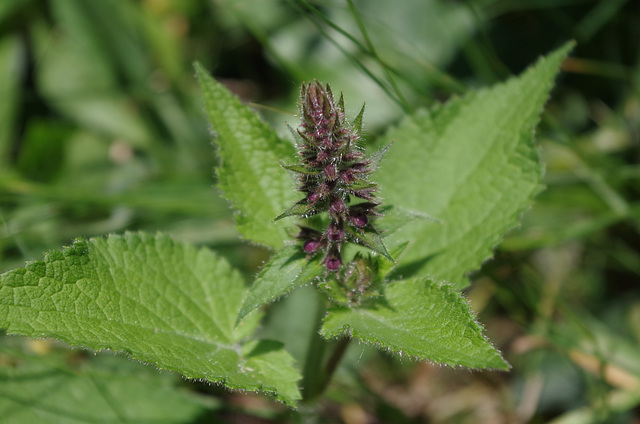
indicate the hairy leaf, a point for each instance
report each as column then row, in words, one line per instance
column 369, row 238
column 288, row 269
column 420, row 319
column 473, row 165
column 162, row 302
column 250, row 175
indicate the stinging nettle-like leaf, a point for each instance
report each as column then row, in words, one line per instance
column 299, row 208
column 288, row 268
column 369, row 238
column 301, row 169
column 249, row 175
column 420, row 319
column 473, row 164
column 162, row 302
column 357, row 122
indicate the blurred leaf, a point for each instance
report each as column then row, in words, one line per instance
column 471, row 163
column 160, row 301
column 420, row 319
column 250, row 174
column 607, row 345
column 158, row 198
column 79, row 78
column 418, row 37
column 9, row 92
column 9, row 6
column 597, row 18
column 42, row 150
column 410, row 46
column 166, row 46
column 104, row 390
column 116, row 42
column 617, row 401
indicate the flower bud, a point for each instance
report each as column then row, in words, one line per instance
column 359, row 220
column 312, row 246
column 335, row 232
column 332, row 170
column 333, row 261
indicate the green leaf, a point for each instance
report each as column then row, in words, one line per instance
column 69, row 390
column 301, row 169
column 394, row 218
column 79, row 73
column 299, row 208
column 357, row 122
column 421, row 319
column 471, row 163
column 162, row 302
column 250, row 174
column 8, row 7
column 10, row 66
column 377, row 157
column 288, row 269
column 369, row 238
column 360, row 185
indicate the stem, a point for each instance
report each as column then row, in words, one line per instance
column 312, row 373
column 333, row 362
column 317, row 376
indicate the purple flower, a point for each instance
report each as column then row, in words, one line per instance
column 334, row 173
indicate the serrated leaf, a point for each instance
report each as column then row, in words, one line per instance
column 357, row 122
column 473, row 164
column 384, row 266
column 359, row 185
column 299, row 208
column 289, row 268
column 301, row 169
column 250, row 175
column 370, row 239
column 46, row 391
column 377, row 157
column 162, row 302
column 420, row 319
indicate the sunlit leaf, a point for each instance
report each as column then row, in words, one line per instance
column 162, row 302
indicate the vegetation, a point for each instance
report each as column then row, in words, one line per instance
column 105, row 141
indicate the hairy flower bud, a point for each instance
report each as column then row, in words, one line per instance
column 312, row 246
column 332, row 260
column 333, row 172
column 359, row 220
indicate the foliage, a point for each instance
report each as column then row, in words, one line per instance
column 103, row 132
column 161, row 302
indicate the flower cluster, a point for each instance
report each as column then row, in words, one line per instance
column 334, row 177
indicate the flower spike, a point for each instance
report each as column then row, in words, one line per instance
column 333, row 174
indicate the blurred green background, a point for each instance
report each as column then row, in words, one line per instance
column 102, row 130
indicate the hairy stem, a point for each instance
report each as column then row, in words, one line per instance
column 333, row 362
column 317, row 374
column 312, row 379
